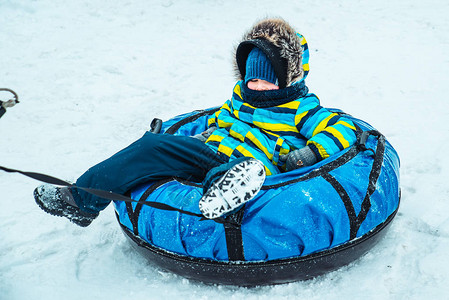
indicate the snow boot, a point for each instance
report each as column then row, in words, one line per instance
column 232, row 190
column 58, row 201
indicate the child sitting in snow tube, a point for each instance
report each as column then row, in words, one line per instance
column 288, row 188
column 269, row 126
column 301, row 224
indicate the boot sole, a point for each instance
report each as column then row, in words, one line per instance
column 238, row 186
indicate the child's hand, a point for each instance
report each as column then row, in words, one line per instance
column 203, row 136
column 299, row 158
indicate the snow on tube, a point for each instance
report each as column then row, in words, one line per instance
column 302, row 224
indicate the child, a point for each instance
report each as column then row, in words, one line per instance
column 270, row 125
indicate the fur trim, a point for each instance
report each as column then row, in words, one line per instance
column 281, row 34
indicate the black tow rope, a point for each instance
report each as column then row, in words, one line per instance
column 103, row 194
column 8, row 103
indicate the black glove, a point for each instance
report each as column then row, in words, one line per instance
column 299, row 158
column 203, row 136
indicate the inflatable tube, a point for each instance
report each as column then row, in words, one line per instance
column 302, row 224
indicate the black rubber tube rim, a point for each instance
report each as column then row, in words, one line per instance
column 249, row 273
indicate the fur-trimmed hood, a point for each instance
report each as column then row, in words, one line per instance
column 291, row 46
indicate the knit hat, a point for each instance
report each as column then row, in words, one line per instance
column 258, row 66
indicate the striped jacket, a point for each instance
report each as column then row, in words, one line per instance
column 265, row 126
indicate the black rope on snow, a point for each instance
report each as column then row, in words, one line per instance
column 100, row 193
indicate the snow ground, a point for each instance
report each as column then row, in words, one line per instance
column 91, row 75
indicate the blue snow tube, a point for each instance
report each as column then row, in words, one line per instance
column 302, row 224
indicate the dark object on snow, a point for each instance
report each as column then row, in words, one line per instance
column 8, row 103
column 302, row 223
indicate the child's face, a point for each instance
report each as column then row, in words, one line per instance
column 261, row 85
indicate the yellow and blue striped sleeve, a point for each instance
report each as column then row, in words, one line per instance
column 326, row 132
column 213, row 120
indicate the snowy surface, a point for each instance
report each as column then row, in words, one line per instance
column 91, row 75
